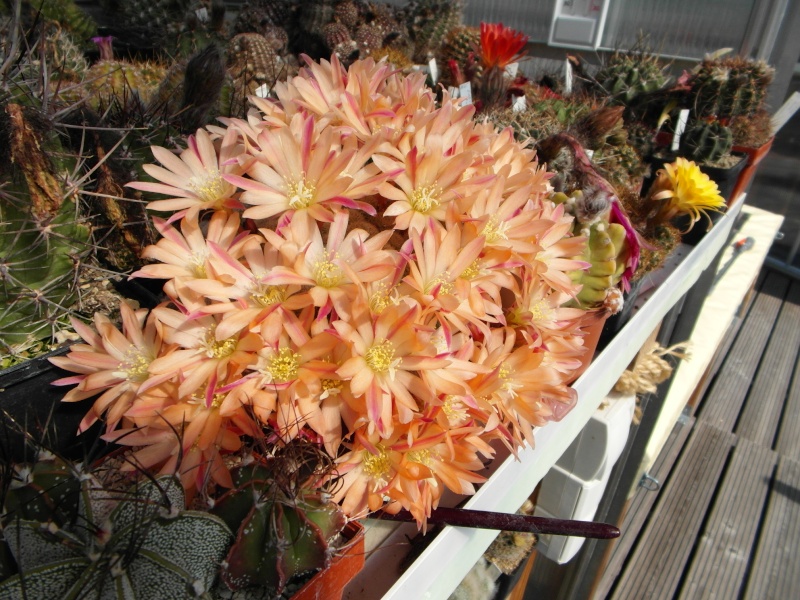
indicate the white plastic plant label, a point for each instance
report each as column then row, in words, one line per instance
column 680, row 127
column 511, row 70
column 433, row 70
column 262, row 91
column 519, row 104
column 465, row 91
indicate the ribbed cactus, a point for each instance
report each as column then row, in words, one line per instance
column 428, row 22
column 282, row 531
column 122, row 81
column 730, row 87
column 627, row 75
column 606, row 251
column 42, row 239
column 138, row 542
column 461, row 44
column 706, row 142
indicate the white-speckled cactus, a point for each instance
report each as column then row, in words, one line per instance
column 135, row 544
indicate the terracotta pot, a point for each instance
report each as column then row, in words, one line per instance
column 754, row 157
column 329, row 583
column 592, row 325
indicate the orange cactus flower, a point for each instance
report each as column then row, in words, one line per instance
column 500, row 45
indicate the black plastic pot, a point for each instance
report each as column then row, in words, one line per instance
column 32, row 415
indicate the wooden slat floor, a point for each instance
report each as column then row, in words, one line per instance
column 726, row 520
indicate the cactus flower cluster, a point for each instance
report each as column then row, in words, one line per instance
column 355, row 264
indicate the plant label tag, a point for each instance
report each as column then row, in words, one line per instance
column 785, row 112
column 589, row 153
column 567, row 77
column 202, row 14
column 680, row 127
column 262, row 91
column 519, row 104
column 511, row 70
column 433, row 69
column 465, row 91
column 453, row 91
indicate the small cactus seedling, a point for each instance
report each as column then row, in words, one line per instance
column 134, row 543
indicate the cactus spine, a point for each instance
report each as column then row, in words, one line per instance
column 134, row 543
column 707, row 142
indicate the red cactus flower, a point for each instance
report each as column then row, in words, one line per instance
column 500, row 45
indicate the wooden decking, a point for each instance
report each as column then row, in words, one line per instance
column 725, row 522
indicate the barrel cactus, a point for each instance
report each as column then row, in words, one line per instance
column 628, row 75
column 707, row 142
column 282, row 530
column 730, row 87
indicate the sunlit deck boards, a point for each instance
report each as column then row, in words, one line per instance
column 726, row 522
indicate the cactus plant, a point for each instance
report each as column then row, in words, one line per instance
column 284, row 528
column 134, row 543
column 428, row 22
column 707, row 142
column 730, row 87
column 43, row 241
column 607, row 253
column 627, row 75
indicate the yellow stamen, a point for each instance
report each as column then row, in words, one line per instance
column 327, row 274
column 379, row 300
column 541, row 311
column 377, row 466
column 284, row 365
column 454, row 410
column 422, row 457
column 135, row 365
column 380, row 356
column 444, row 283
column 301, row 194
column 198, row 262
column 425, row 199
column 472, row 271
column 219, row 348
column 267, row 295
column 209, row 187
column 494, row 231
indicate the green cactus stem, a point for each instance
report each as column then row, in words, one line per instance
column 135, row 543
column 707, row 142
column 281, row 533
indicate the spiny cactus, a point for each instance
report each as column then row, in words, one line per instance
column 706, row 142
column 428, row 22
column 43, row 241
column 251, row 63
column 627, row 75
column 283, row 529
column 730, row 87
column 460, row 45
column 133, row 543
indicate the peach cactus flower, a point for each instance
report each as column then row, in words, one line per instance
column 195, row 180
column 113, row 364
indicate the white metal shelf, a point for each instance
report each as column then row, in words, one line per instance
column 439, row 569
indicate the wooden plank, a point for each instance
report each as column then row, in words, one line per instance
column 639, row 508
column 723, row 403
column 656, row 567
column 719, row 564
column 763, row 408
column 776, row 569
column 788, row 442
